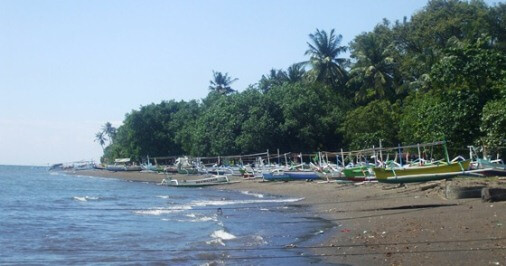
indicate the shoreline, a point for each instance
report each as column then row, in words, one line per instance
column 378, row 224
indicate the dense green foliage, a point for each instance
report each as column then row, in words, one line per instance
column 439, row 74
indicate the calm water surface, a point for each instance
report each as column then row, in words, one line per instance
column 52, row 218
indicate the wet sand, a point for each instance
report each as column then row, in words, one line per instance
column 377, row 224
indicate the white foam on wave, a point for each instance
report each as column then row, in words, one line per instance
column 235, row 202
column 223, row 235
column 203, row 203
column 215, row 241
column 163, row 196
column 196, row 219
column 85, row 198
column 259, row 240
column 258, row 195
column 160, row 211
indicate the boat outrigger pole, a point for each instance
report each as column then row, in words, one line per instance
column 400, row 154
column 446, row 150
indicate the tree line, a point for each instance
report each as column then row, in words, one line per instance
column 439, row 74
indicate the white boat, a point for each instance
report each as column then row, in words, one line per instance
column 123, row 164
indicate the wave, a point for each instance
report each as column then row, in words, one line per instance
column 204, row 203
column 160, row 211
column 201, row 218
column 257, row 240
column 194, row 219
column 85, row 198
column 163, row 196
column 258, row 195
column 222, row 234
column 219, row 236
column 215, row 241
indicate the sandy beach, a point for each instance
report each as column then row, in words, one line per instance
column 378, row 224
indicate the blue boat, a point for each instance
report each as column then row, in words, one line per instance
column 276, row 176
column 302, row 175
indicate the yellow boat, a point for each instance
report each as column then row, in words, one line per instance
column 421, row 174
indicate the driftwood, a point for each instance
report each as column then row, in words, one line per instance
column 493, row 194
column 429, row 186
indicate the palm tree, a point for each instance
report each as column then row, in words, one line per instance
column 109, row 130
column 100, row 138
column 221, row 83
column 373, row 71
column 274, row 78
column 323, row 54
column 295, row 73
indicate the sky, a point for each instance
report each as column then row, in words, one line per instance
column 67, row 67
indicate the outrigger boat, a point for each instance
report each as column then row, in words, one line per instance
column 359, row 173
column 276, row 175
column 486, row 167
column 491, row 168
column 280, row 175
column 421, row 174
column 123, row 164
column 204, row 182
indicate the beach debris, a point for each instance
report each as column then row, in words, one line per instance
column 345, row 230
column 290, row 246
column 429, row 186
column 493, row 194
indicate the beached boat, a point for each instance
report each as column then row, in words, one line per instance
column 359, row 173
column 334, row 175
column 209, row 181
column 421, row 174
column 123, row 164
column 73, row 166
column 187, row 171
column 302, row 175
column 491, row 168
column 276, row 175
column 280, row 175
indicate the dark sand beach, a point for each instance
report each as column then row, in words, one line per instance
column 377, row 224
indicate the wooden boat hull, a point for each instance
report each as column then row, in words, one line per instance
column 302, row 175
column 421, row 174
column 332, row 175
column 357, row 174
column 276, row 176
column 491, row 169
column 492, row 172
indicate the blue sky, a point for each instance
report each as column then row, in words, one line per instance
column 67, row 67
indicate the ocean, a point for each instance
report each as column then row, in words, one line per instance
column 53, row 218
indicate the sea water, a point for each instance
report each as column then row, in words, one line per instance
column 54, row 218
